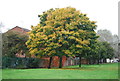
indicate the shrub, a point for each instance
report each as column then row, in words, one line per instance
column 9, row 62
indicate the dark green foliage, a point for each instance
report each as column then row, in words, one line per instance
column 13, row 42
column 99, row 51
column 9, row 62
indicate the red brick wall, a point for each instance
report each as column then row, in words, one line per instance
column 84, row 61
column 55, row 61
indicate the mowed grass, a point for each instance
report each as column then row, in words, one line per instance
column 102, row 71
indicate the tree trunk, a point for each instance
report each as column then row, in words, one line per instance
column 50, row 63
column 104, row 60
column 98, row 61
column 92, row 60
column 60, row 62
column 89, row 61
column 79, row 60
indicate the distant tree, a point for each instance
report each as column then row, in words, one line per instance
column 1, row 25
column 115, row 44
column 106, row 51
column 100, row 51
column 0, row 48
column 119, row 51
column 63, row 31
column 106, row 35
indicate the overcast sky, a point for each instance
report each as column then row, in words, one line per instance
column 24, row 13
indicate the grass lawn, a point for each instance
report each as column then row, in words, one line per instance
column 102, row 71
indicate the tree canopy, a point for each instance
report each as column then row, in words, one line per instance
column 13, row 42
column 61, row 31
column 106, row 36
column 100, row 51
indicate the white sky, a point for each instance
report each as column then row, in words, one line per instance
column 24, row 13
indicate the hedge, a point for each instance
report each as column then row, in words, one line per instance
column 9, row 62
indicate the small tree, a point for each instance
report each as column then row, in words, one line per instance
column 100, row 51
column 14, row 42
column 106, row 36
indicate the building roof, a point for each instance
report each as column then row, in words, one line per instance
column 27, row 30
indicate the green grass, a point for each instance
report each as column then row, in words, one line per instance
column 102, row 71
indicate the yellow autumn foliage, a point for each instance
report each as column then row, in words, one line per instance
column 63, row 30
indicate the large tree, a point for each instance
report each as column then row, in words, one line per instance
column 62, row 31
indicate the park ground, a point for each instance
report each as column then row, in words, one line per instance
column 101, row 71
